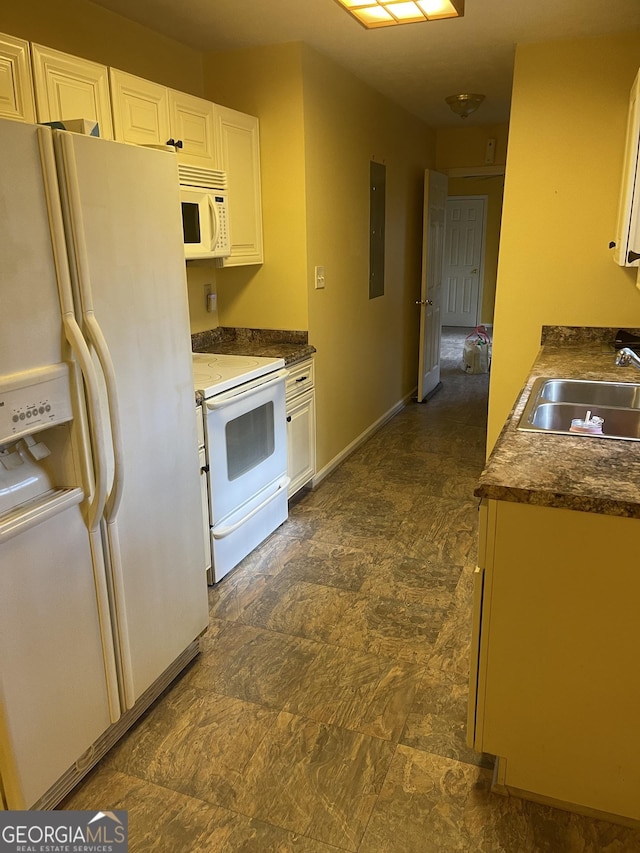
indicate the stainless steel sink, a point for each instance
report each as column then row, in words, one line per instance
column 622, row 394
column 554, row 403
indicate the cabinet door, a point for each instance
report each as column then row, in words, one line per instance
column 238, row 154
column 16, row 85
column 68, row 87
column 560, row 638
column 191, row 122
column 140, row 109
column 301, row 440
column 480, row 616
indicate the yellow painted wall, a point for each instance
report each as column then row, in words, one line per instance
column 267, row 82
column 320, row 127
column 201, row 278
column 84, row 29
column 367, row 349
column 465, row 147
column 564, row 166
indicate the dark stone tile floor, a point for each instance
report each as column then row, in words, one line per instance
column 327, row 709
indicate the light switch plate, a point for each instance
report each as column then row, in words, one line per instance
column 319, row 278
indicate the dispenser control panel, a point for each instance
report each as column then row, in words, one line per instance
column 34, row 400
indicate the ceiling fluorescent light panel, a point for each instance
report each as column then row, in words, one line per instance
column 388, row 13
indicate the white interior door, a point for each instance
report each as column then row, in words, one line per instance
column 435, row 197
column 463, row 260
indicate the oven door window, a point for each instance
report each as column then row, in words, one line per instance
column 250, row 440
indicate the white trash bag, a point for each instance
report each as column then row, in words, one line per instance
column 476, row 354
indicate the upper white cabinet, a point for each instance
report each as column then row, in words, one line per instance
column 16, row 87
column 238, row 154
column 140, row 109
column 627, row 242
column 67, row 87
column 191, row 122
column 146, row 113
column 141, row 112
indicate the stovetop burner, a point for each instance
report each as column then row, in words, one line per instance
column 214, row 373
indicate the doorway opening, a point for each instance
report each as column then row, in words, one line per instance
column 464, row 260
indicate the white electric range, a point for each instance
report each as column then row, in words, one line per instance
column 245, row 433
column 214, row 373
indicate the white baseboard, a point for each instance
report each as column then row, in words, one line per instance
column 357, row 442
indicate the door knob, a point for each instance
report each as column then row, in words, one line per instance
column 474, row 271
column 424, row 302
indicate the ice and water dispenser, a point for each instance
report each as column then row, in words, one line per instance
column 33, row 443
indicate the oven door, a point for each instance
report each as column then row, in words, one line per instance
column 246, row 439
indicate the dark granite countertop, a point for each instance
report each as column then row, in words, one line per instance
column 584, row 473
column 293, row 346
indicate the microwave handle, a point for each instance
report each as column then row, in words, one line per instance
column 215, row 223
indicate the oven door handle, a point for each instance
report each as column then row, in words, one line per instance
column 221, row 532
column 223, row 400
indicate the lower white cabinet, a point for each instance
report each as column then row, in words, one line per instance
column 204, row 490
column 301, row 425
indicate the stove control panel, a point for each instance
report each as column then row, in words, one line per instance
column 34, row 400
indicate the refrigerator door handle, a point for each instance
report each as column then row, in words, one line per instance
column 104, row 357
column 94, row 331
column 120, row 613
column 73, row 333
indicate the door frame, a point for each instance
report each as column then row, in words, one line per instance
column 431, row 285
column 483, row 247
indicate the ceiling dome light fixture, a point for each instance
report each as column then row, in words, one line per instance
column 464, row 105
column 387, row 13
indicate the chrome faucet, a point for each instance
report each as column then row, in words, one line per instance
column 627, row 356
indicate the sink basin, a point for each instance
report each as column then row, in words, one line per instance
column 557, row 417
column 622, row 394
column 554, row 403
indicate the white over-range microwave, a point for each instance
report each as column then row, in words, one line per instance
column 205, row 212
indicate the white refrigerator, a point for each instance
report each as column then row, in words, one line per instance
column 103, row 590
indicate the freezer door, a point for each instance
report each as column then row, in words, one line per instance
column 127, row 257
column 29, row 319
column 53, row 693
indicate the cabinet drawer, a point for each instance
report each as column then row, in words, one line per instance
column 300, row 378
